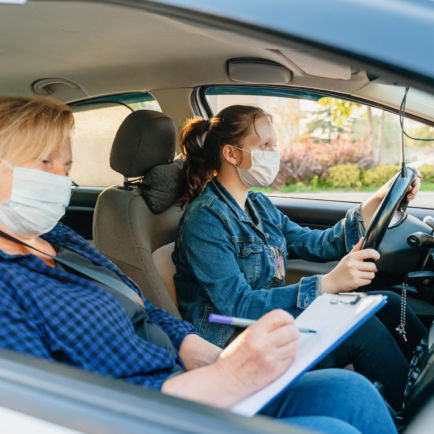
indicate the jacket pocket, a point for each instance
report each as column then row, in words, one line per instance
column 250, row 259
column 217, row 334
column 204, row 321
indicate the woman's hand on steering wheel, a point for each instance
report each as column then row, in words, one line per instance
column 352, row 271
column 412, row 190
column 379, row 209
column 357, row 268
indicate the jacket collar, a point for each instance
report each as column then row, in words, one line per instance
column 228, row 199
column 224, row 195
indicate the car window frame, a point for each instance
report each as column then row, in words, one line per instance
column 201, row 106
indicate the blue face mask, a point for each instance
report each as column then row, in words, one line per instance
column 38, row 201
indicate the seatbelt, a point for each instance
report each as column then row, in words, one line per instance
column 91, row 274
column 147, row 329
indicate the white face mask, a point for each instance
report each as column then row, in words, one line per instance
column 38, row 201
column 264, row 169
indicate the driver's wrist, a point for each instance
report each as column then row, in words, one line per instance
column 368, row 209
column 327, row 284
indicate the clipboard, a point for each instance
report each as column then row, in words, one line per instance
column 334, row 317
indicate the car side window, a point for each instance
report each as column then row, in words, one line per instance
column 332, row 148
column 96, row 124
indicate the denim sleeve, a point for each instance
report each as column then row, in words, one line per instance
column 212, row 259
column 360, row 222
column 321, row 245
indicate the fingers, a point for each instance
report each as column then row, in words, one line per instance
column 366, row 276
column 367, row 266
column 366, row 254
column 275, row 319
column 361, row 283
column 358, row 279
column 358, row 246
column 288, row 352
column 262, row 352
column 279, row 327
column 364, row 279
column 284, row 336
column 414, row 190
column 357, row 271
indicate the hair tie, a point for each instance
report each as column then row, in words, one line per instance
column 206, row 124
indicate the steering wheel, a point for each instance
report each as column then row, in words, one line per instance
column 394, row 199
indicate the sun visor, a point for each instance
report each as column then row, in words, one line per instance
column 258, row 71
column 316, row 66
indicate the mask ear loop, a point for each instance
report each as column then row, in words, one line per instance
column 240, row 149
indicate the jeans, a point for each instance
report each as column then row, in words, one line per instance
column 389, row 315
column 378, row 352
column 332, row 401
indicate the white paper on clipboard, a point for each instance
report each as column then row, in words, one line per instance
column 334, row 319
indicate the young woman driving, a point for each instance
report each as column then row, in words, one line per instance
column 233, row 245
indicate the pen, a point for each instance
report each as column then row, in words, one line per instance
column 243, row 322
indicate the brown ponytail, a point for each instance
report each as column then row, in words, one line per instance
column 201, row 142
column 197, row 170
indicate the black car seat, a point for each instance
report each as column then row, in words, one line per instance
column 135, row 224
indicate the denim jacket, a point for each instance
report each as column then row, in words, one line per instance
column 225, row 259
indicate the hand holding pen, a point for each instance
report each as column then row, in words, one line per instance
column 261, row 353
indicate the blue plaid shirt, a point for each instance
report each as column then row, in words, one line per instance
column 51, row 313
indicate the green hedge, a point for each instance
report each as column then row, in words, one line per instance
column 344, row 176
column 350, row 176
column 379, row 175
column 427, row 171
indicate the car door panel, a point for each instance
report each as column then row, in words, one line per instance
column 79, row 214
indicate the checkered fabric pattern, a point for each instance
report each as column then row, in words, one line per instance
column 51, row 313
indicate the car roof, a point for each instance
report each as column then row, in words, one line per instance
column 398, row 33
column 98, row 48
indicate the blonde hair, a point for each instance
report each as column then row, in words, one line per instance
column 32, row 128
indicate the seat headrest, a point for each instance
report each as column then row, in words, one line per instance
column 145, row 139
column 160, row 187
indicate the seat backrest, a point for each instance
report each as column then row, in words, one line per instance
column 135, row 225
column 162, row 258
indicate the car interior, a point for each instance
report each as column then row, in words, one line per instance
column 150, row 67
